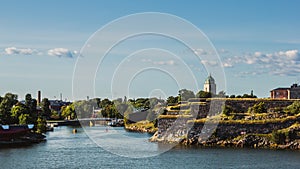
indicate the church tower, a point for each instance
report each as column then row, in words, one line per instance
column 210, row 85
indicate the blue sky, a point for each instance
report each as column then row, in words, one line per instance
column 258, row 44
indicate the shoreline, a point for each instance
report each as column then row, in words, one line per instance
column 252, row 141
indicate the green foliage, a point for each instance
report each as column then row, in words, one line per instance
column 258, row 108
column 203, row 94
column 19, row 110
column 24, row 119
column 41, row 125
column 279, row 136
column 226, row 110
column 293, row 108
column 185, row 95
column 68, row 112
column 232, row 96
column 46, row 112
column 172, row 100
column 6, row 105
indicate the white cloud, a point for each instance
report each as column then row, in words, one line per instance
column 284, row 63
column 223, row 51
column 209, row 62
column 200, row 51
column 227, row 65
column 168, row 62
column 15, row 51
column 165, row 62
column 61, row 52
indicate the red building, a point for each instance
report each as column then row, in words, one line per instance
column 280, row 93
column 286, row 93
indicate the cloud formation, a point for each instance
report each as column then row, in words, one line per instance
column 165, row 62
column 23, row 51
column 209, row 63
column 200, row 51
column 61, row 52
column 285, row 63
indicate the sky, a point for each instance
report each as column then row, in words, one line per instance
column 249, row 45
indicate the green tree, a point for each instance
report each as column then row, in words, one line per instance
column 172, row 100
column 68, row 112
column 185, row 95
column 6, row 105
column 278, row 136
column 226, row 110
column 31, row 104
column 18, row 114
column 203, row 94
column 41, row 125
column 46, row 112
column 293, row 108
column 258, row 108
column 24, row 119
column 232, row 96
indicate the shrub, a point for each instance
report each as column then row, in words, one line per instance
column 226, row 110
column 258, row 108
column 293, row 108
column 278, row 136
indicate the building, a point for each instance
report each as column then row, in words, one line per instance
column 210, row 85
column 286, row 93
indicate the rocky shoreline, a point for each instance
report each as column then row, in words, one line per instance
column 140, row 129
column 245, row 141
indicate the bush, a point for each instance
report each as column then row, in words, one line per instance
column 278, row 136
column 41, row 125
column 258, row 108
column 226, row 110
column 293, row 108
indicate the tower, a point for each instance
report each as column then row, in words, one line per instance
column 210, row 85
column 39, row 97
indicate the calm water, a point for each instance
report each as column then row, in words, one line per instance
column 66, row 150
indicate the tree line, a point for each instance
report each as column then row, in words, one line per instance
column 14, row 112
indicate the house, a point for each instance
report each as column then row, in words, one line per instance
column 286, row 93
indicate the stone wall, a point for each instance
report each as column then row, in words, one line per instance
column 214, row 106
column 174, row 130
column 241, row 106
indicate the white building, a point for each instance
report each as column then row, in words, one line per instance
column 210, row 85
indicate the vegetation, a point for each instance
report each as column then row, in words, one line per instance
column 226, row 110
column 14, row 112
column 258, row 108
column 293, row 108
column 284, row 135
column 185, row 95
column 203, row 94
column 45, row 106
column 172, row 100
column 265, row 121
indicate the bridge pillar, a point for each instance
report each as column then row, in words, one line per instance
column 92, row 123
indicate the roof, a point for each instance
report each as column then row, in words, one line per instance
column 281, row 88
column 210, row 80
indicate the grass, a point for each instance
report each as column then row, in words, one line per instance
column 143, row 125
column 214, row 120
column 174, row 116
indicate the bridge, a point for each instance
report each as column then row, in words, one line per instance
column 83, row 121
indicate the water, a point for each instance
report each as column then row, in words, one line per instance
column 66, row 150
